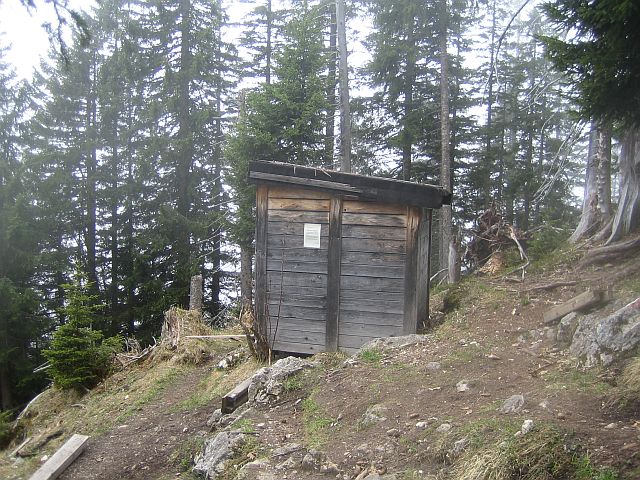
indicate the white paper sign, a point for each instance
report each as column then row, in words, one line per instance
column 312, row 235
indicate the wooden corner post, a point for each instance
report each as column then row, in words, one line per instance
column 333, row 273
column 411, row 268
column 262, row 211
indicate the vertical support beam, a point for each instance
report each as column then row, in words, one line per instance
column 262, row 212
column 414, row 216
column 424, row 268
column 333, row 274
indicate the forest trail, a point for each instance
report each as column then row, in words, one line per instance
column 149, row 443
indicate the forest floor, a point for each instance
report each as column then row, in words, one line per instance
column 426, row 410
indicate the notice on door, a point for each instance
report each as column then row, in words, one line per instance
column 312, row 235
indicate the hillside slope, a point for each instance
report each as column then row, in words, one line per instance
column 428, row 409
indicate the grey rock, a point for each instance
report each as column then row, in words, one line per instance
column 513, row 404
column 434, row 366
column 373, row 415
column 566, row 329
column 395, row 342
column 603, row 340
column 266, row 383
column 330, row 468
column 422, row 425
column 210, row 463
column 312, row 460
column 459, row 446
column 289, row 464
column 376, row 476
column 286, row 449
column 214, row 418
column 462, row 386
column 527, row 426
column 444, row 428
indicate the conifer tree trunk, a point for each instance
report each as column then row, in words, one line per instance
column 91, row 180
column 184, row 152
column 445, row 141
column 331, row 92
column 627, row 219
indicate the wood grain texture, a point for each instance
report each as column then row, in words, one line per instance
column 371, row 284
column 414, row 217
column 292, row 192
column 295, row 204
column 291, row 228
column 373, row 245
column 374, row 219
column 262, row 210
column 379, row 232
column 373, row 207
column 371, row 318
column 299, row 217
column 333, row 280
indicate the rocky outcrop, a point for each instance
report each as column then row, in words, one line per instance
column 266, row 383
column 217, row 450
column 602, row 341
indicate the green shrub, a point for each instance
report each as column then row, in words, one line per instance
column 6, row 430
column 80, row 357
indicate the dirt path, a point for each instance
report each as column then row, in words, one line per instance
column 152, row 442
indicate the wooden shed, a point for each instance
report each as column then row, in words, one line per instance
column 340, row 258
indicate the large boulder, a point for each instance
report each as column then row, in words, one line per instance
column 266, row 383
column 600, row 340
column 217, row 450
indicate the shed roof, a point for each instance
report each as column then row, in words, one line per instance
column 361, row 187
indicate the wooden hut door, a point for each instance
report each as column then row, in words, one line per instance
column 372, row 272
column 297, row 250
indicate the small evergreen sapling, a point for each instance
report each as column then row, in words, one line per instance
column 79, row 355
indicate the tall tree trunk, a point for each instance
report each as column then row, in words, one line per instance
column 627, row 219
column 410, row 79
column 90, row 185
column 598, row 165
column 269, row 43
column 489, row 154
column 184, row 160
column 331, row 92
column 446, row 224
column 345, row 110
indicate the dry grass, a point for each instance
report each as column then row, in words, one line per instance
column 627, row 396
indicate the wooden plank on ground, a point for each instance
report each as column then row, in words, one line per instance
column 60, row 460
column 236, row 397
column 582, row 301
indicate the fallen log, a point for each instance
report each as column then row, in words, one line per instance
column 584, row 300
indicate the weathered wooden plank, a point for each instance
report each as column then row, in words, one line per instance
column 333, row 279
column 297, row 324
column 295, row 204
column 382, row 233
column 351, row 206
column 296, row 241
column 359, row 258
column 295, row 347
column 299, row 217
column 371, row 284
column 414, row 217
column 298, row 300
column 308, row 182
column 236, row 397
column 381, row 271
column 580, row 302
column 367, row 295
column 274, row 265
column 296, row 279
column 373, row 245
column 301, row 253
column 372, row 305
column 300, row 336
column 262, row 209
column 424, row 267
column 60, row 460
column 288, row 228
column 371, row 318
column 291, row 292
column 292, row 192
column 291, row 311
column 374, row 219
column 369, row 330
